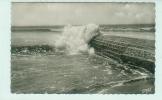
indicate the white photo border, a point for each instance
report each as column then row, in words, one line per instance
column 5, row 37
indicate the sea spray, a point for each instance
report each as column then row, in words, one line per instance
column 75, row 39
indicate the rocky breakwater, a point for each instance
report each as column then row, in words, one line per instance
column 131, row 51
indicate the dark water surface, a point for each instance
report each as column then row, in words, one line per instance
column 37, row 70
column 76, row 74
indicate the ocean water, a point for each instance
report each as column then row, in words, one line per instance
column 38, row 66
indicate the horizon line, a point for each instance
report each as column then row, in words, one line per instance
column 79, row 24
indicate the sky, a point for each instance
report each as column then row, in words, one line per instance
column 48, row 14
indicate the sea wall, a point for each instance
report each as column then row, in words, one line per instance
column 131, row 51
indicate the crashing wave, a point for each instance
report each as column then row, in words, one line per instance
column 75, row 39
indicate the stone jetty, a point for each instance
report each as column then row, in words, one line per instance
column 132, row 51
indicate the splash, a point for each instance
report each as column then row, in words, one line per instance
column 75, row 39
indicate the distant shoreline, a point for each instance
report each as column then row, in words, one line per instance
column 58, row 28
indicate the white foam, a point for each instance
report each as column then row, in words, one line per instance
column 75, row 39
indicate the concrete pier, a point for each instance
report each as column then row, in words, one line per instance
column 132, row 51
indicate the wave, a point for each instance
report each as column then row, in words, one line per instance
column 72, row 40
column 75, row 39
column 31, row 50
column 128, row 28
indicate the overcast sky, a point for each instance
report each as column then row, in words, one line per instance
column 33, row 14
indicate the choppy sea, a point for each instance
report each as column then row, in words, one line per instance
column 38, row 67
